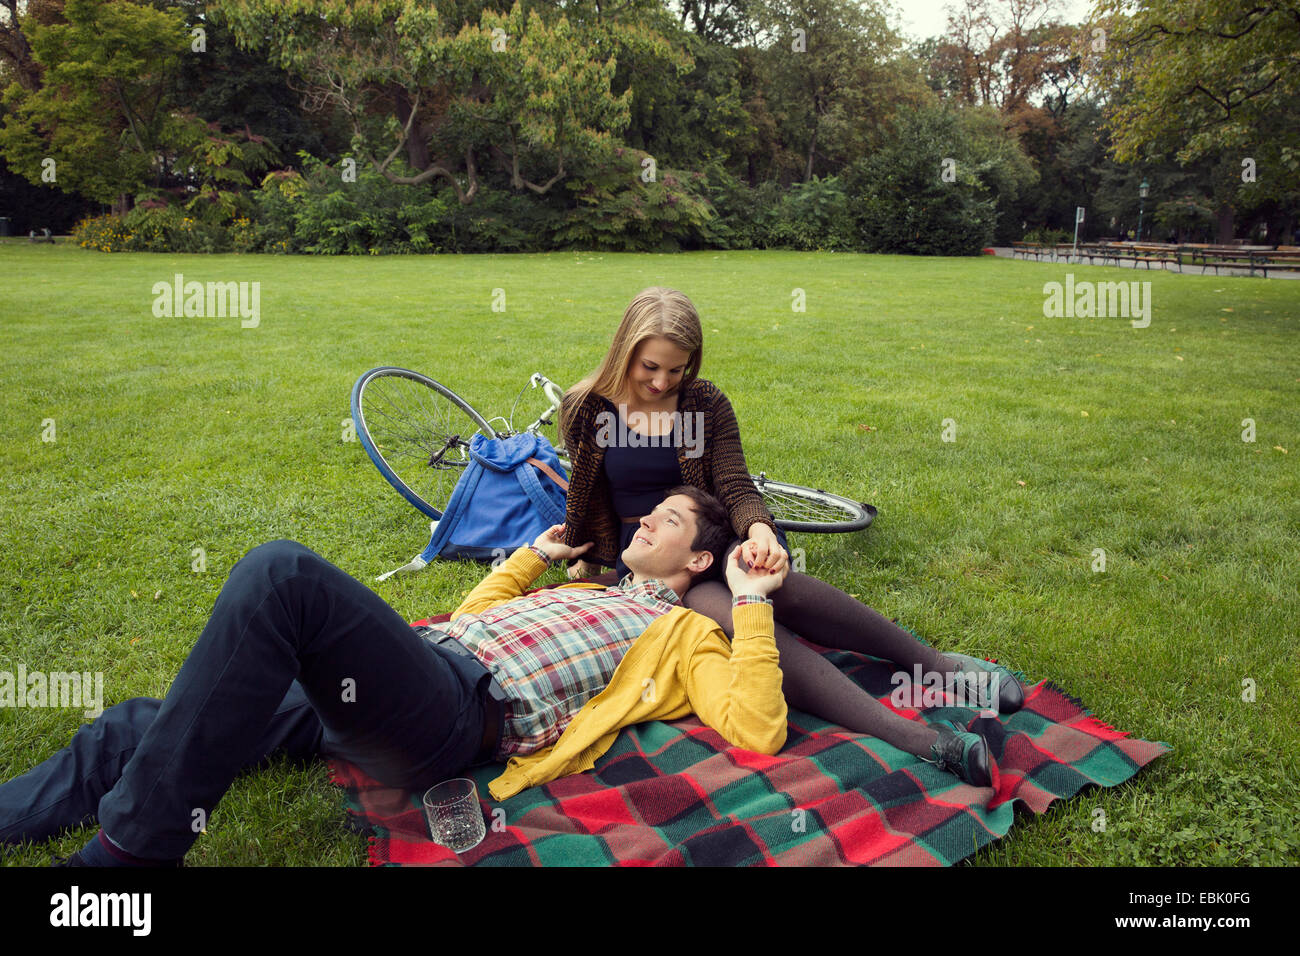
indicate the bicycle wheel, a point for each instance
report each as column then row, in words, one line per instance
column 416, row 432
column 796, row 508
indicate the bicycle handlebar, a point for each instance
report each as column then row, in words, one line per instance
column 554, row 393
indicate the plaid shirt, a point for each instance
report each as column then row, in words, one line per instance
column 554, row 650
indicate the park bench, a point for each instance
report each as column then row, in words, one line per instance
column 45, row 237
column 1231, row 257
column 1026, row 249
column 1156, row 252
column 1146, row 253
column 1286, row 259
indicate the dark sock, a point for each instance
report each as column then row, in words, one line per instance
column 101, row 851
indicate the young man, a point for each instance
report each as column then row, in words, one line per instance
column 300, row 657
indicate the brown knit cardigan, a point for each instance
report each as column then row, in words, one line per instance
column 719, row 470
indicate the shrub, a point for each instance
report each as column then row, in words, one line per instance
column 154, row 228
column 813, row 216
column 901, row 200
column 1049, row 237
column 738, row 208
column 103, row 233
column 500, row 220
column 617, row 210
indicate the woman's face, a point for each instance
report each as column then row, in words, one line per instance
column 656, row 370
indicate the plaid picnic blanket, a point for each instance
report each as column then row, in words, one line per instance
column 672, row 794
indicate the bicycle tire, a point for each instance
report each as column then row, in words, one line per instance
column 796, row 508
column 411, row 428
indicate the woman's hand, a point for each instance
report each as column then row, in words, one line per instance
column 582, row 569
column 763, row 549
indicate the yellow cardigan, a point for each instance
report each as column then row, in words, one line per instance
column 681, row 663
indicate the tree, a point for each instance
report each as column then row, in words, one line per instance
column 15, row 48
column 1200, row 80
column 829, row 72
column 240, row 90
column 934, row 187
column 1006, row 57
column 442, row 91
column 101, row 120
column 687, row 120
column 722, row 22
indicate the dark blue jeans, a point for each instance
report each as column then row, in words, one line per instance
column 297, row 657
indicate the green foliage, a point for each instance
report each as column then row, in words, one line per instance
column 1196, row 81
column 1049, row 237
column 741, row 210
column 241, row 90
column 1186, row 214
column 617, row 209
column 807, row 216
column 219, row 165
column 901, row 201
column 275, row 202
column 500, row 220
column 318, row 212
column 154, row 228
column 102, row 233
column 685, row 119
column 172, row 228
column 102, row 113
column 829, row 77
column 532, row 95
column 333, row 217
column 812, row 216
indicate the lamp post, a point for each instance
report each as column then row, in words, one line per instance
column 1142, row 191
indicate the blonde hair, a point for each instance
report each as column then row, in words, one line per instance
column 655, row 312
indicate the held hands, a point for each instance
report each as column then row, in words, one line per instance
column 763, row 549
column 550, row 543
column 751, row 580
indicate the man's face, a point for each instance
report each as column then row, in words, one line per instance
column 661, row 547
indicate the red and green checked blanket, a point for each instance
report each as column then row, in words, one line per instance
column 672, row 794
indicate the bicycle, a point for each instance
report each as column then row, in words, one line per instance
column 417, row 432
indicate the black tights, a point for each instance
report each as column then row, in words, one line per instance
column 827, row 616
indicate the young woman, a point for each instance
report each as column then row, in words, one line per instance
column 643, row 422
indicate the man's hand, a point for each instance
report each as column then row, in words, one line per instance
column 550, row 543
column 744, row 579
column 763, row 549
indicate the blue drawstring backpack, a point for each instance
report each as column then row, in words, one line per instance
column 512, row 490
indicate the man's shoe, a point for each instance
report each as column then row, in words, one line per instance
column 1010, row 695
column 72, row 859
column 76, row 859
column 97, row 852
column 962, row 753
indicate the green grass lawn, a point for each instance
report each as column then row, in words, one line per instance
column 1072, row 435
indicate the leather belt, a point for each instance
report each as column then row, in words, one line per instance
column 494, row 701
